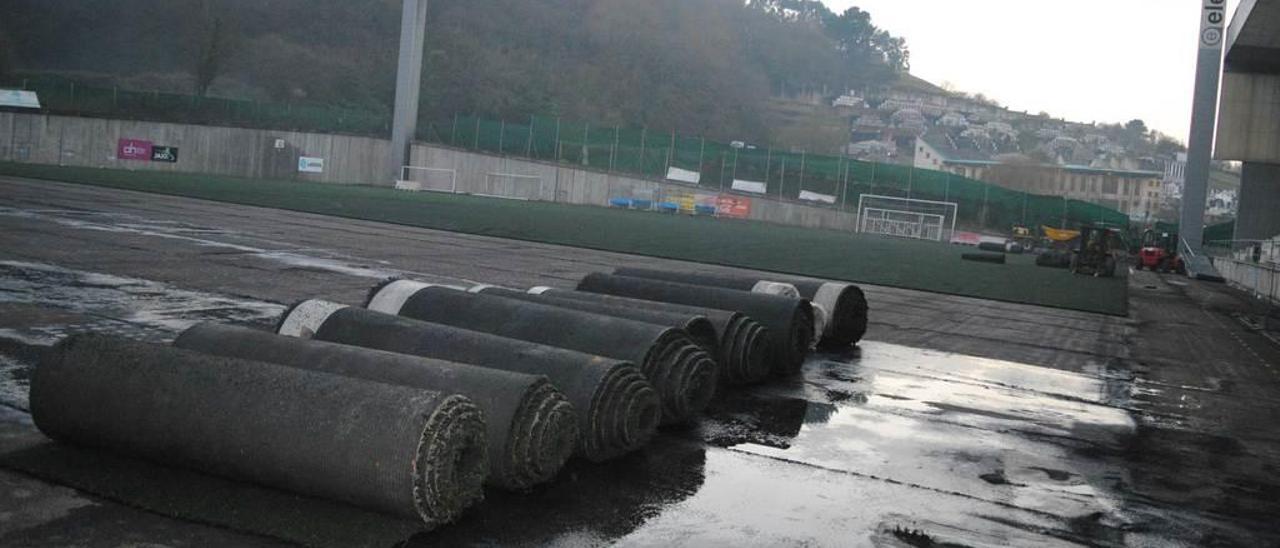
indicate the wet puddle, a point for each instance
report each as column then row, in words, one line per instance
column 43, row 303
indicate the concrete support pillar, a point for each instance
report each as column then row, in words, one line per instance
column 404, row 122
column 1259, row 217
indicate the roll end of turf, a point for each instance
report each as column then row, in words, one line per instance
column 449, row 467
column 990, row 258
column 684, row 375
column 847, row 309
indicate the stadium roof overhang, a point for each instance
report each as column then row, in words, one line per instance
column 1253, row 39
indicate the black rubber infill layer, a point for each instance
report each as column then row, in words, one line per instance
column 405, row 451
column 617, row 410
column 531, row 427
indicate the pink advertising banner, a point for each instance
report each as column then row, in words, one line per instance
column 134, row 149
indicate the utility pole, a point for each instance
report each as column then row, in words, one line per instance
column 404, row 119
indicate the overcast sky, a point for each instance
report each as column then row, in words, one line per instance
column 1083, row 60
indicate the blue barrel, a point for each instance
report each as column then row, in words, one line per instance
column 624, row 203
column 669, row 207
column 704, row 210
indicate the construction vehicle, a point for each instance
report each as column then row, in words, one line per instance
column 1023, row 238
column 1096, row 252
column 1159, row 253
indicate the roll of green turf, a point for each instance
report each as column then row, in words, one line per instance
column 684, row 374
column 390, row 448
column 531, row 426
column 617, row 409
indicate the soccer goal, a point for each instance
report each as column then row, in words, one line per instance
column 907, row 218
column 431, row 179
column 513, row 186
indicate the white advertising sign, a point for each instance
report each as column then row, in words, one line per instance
column 754, row 187
column 310, row 165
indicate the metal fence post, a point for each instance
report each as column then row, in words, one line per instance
column 477, row 143
column 502, row 137
column 702, row 149
column 528, row 147
column 782, row 185
column 644, row 132
column 557, row 146
column 768, row 166
column 803, row 157
column 453, row 134
column 844, row 196
column 613, row 149
column 911, row 180
column 735, row 165
column 671, row 152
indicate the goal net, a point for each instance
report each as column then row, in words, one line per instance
column 907, row 218
column 432, row 179
column 512, row 186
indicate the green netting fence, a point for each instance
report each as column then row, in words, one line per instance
column 784, row 174
column 62, row 96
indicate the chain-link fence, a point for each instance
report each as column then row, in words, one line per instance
column 61, row 96
column 822, row 180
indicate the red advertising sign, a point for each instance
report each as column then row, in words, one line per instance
column 734, row 207
column 134, row 149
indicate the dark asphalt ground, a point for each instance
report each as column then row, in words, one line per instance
column 958, row 422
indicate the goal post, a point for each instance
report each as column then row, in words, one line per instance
column 907, row 218
column 513, row 186
column 429, row 179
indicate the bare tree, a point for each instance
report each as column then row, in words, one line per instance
column 212, row 41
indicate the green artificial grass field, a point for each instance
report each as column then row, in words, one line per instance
column 927, row 266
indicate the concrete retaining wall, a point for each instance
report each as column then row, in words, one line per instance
column 91, row 142
column 253, row 153
column 516, row 177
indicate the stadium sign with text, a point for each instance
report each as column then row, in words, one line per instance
column 164, row 154
column 1213, row 24
column 733, row 207
column 310, row 165
column 134, row 149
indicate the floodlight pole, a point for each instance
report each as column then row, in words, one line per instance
column 404, row 119
column 1204, row 116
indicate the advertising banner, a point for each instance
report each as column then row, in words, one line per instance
column 809, row 196
column 164, row 154
column 683, row 175
column 133, row 149
column 310, row 165
column 733, row 207
column 754, row 187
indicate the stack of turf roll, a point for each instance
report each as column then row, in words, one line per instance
column 843, row 304
column 531, row 430
column 683, row 373
column 790, row 321
column 742, row 348
column 407, row 451
column 617, row 409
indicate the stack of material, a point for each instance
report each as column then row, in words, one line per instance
column 532, row 428
column 843, row 304
column 683, row 373
column 742, row 349
column 617, row 409
column 697, row 326
column 790, row 321
column 405, row 451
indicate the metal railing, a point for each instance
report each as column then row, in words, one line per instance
column 1252, row 266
